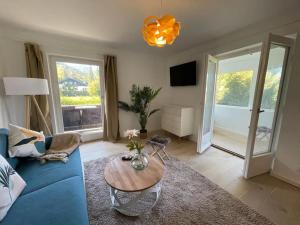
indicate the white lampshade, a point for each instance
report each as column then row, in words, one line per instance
column 25, row 86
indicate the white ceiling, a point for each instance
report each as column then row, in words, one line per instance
column 118, row 22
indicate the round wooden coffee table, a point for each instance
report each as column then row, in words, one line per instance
column 133, row 192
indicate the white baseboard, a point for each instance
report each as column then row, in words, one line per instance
column 285, row 179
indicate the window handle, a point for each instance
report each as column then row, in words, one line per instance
column 259, row 111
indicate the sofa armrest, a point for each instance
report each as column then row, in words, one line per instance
column 48, row 140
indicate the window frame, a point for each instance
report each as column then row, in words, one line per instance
column 57, row 120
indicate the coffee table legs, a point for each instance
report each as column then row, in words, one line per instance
column 135, row 203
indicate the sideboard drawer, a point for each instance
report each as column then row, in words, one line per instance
column 177, row 120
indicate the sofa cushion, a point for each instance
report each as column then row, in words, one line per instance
column 25, row 143
column 4, row 148
column 11, row 186
column 38, row 175
column 61, row 203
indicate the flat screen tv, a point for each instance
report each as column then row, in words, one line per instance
column 183, row 75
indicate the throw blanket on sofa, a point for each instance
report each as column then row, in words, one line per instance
column 61, row 147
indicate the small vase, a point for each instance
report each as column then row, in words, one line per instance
column 139, row 161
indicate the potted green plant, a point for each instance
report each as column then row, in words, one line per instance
column 140, row 105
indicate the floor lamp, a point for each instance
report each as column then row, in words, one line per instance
column 28, row 87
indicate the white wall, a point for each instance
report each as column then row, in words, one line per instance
column 143, row 70
column 288, row 151
column 237, row 119
column 133, row 68
column 287, row 161
column 12, row 64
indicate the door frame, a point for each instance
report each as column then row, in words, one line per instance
column 204, row 74
column 279, row 106
column 58, row 126
column 262, row 163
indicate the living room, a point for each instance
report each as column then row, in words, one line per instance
column 98, row 48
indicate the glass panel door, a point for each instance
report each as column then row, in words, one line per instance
column 205, row 137
column 270, row 82
column 270, row 99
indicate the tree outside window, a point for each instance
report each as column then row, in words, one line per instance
column 233, row 89
column 79, row 84
column 271, row 89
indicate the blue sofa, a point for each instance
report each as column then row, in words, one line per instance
column 54, row 194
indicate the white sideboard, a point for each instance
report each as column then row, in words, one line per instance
column 177, row 120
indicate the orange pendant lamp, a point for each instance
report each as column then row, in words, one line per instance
column 160, row 31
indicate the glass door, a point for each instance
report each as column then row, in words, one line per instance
column 272, row 71
column 78, row 90
column 208, row 98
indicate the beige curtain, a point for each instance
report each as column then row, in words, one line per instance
column 111, row 113
column 35, row 69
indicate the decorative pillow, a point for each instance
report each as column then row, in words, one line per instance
column 11, row 186
column 23, row 142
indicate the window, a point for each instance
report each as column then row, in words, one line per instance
column 233, row 89
column 79, row 84
column 77, row 94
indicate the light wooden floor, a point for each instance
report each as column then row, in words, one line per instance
column 230, row 141
column 238, row 143
column 277, row 200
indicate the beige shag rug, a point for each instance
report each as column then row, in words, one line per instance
column 187, row 198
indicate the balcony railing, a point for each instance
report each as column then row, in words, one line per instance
column 81, row 117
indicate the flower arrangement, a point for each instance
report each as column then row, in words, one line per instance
column 133, row 144
column 139, row 160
